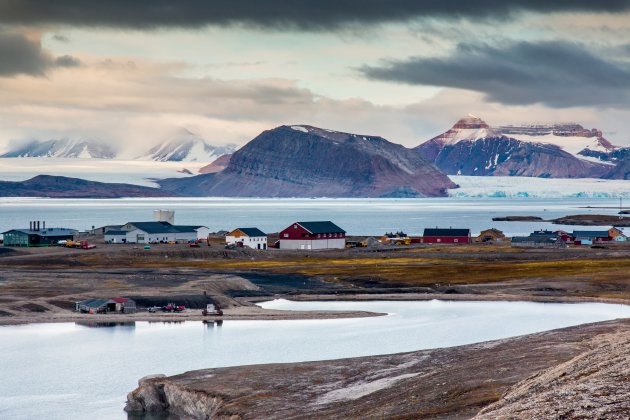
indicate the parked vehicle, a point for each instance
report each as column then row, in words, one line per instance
column 153, row 309
column 171, row 307
column 147, row 247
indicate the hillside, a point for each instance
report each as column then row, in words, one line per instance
column 64, row 187
column 305, row 161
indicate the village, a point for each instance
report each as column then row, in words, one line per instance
column 300, row 235
column 163, row 234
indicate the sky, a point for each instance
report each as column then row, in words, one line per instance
column 135, row 73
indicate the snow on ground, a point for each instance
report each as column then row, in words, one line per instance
column 299, row 128
column 526, row 187
column 570, row 144
column 137, row 172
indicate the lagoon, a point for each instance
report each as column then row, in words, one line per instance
column 71, row 370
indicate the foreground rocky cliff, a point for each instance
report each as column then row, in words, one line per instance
column 584, row 375
column 305, row 161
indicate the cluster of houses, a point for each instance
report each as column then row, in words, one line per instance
column 562, row 239
column 304, row 235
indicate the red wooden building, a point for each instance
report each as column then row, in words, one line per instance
column 313, row 235
column 446, row 236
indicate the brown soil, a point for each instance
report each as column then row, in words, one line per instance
column 446, row 383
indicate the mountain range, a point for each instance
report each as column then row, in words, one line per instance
column 184, row 147
column 472, row 147
column 306, row 161
column 62, row 148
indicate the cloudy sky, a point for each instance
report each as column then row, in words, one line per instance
column 133, row 73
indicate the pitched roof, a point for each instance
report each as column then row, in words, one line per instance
column 321, row 227
column 590, row 234
column 544, row 233
column 446, row 232
column 120, row 300
column 93, row 303
column 163, row 227
column 188, row 228
column 45, row 232
column 536, row 239
column 251, row 231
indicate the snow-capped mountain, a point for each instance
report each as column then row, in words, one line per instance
column 62, row 148
column 188, row 148
column 472, row 147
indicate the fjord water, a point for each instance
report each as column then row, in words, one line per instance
column 71, row 371
column 357, row 216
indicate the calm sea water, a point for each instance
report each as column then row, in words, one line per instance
column 356, row 216
column 71, row 371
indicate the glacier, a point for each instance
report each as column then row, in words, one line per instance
column 529, row 187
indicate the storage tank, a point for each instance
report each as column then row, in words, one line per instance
column 164, row 216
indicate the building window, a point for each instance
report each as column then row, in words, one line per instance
column 294, row 226
column 439, row 240
column 286, row 235
column 455, row 240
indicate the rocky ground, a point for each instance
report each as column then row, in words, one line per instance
column 543, row 375
column 578, row 372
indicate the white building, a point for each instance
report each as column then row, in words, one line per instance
column 155, row 232
column 248, row 237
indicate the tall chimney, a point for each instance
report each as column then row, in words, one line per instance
column 38, row 225
column 30, row 225
column 44, row 225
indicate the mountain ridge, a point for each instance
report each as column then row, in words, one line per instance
column 472, row 147
column 306, row 161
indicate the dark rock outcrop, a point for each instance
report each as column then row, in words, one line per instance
column 305, row 161
column 64, row 187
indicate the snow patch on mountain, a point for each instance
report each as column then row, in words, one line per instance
column 570, row 137
column 299, row 128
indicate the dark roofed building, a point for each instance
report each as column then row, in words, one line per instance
column 153, row 232
column 313, row 235
column 247, row 237
column 538, row 241
column 37, row 237
column 446, row 236
column 591, row 235
column 113, row 305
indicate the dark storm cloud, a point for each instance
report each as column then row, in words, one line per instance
column 21, row 55
column 277, row 14
column 555, row 73
column 67, row 61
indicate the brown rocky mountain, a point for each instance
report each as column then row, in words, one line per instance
column 472, row 147
column 305, row 161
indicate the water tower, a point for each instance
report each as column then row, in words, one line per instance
column 164, row 216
